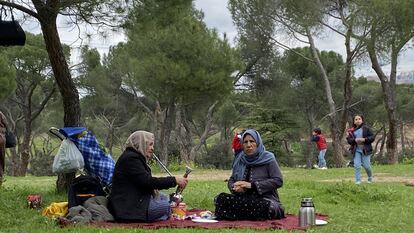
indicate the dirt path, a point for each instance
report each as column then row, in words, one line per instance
column 206, row 175
column 378, row 177
column 222, row 175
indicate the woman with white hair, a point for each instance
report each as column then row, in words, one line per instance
column 134, row 196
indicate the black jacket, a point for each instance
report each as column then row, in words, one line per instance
column 132, row 187
column 369, row 139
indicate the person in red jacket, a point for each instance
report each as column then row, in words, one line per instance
column 320, row 141
column 236, row 145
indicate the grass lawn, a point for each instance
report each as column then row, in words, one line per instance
column 387, row 205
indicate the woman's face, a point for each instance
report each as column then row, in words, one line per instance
column 358, row 120
column 249, row 145
column 150, row 149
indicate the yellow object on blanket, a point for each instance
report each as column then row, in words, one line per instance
column 56, row 209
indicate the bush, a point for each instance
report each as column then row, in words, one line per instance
column 41, row 164
column 406, row 156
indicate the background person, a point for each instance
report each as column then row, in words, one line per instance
column 360, row 137
column 236, row 145
column 134, row 196
column 320, row 141
column 255, row 178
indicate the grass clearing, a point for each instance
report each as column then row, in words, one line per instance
column 384, row 206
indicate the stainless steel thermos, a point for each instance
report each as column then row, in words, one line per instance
column 306, row 212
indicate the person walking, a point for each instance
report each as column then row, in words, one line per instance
column 360, row 137
column 320, row 141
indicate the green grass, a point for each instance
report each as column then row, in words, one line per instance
column 384, row 206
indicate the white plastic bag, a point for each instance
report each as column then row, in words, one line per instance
column 68, row 158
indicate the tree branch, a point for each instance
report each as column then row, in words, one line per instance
column 340, row 109
column 43, row 103
column 20, row 8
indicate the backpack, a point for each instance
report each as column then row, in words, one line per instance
column 82, row 188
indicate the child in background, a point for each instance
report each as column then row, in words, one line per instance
column 236, row 145
column 360, row 137
column 320, row 141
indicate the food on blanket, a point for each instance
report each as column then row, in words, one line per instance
column 179, row 212
column 206, row 214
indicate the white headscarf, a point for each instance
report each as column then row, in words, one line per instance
column 139, row 141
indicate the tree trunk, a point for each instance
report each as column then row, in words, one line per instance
column 288, row 149
column 309, row 155
column 332, row 116
column 25, row 146
column 204, row 135
column 183, row 135
column 15, row 161
column 166, row 127
column 70, row 95
column 374, row 151
column 402, row 132
column 109, row 141
column 388, row 88
column 347, row 82
column 381, row 152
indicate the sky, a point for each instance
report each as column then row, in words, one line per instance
column 216, row 15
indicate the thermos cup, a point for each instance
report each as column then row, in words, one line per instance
column 306, row 212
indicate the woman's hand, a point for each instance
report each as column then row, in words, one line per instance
column 241, row 186
column 181, row 182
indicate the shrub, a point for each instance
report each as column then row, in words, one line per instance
column 41, row 164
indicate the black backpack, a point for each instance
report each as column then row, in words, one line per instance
column 82, row 188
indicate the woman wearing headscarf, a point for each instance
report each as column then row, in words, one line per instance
column 134, row 196
column 255, row 178
column 3, row 125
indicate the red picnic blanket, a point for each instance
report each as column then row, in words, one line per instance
column 291, row 222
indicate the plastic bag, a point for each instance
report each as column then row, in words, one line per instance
column 68, row 158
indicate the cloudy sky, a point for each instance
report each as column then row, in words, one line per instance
column 218, row 16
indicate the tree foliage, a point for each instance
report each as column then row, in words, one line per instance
column 175, row 56
column 7, row 74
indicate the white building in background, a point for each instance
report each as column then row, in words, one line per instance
column 406, row 77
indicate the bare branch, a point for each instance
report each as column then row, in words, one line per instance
column 44, row 102
column 248, row 67
column 20, row 8
column 333, row 29
column 340, row 109
column 283, row 46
